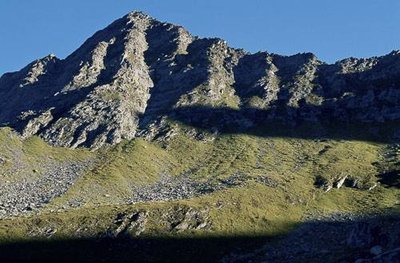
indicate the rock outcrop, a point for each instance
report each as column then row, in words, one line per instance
column 128, row 76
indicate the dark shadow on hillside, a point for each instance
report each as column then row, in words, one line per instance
column 337, row 239
column 127, row 250
column 284, row 122
column 390, row 179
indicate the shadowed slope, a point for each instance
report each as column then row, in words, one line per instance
column 264, row 123
column 341, row 238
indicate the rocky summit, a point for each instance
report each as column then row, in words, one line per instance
column 149, row 144
column 129, row 76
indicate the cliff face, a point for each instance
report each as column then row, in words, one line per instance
column 128, row 76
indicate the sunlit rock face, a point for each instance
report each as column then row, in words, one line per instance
column 138, row 71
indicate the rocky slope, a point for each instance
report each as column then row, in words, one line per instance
column 295, row 159
column 125, row 79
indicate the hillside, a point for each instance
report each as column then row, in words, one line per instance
column 150, row 144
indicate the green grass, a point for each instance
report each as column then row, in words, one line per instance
column 26, row 158
column 251, row 210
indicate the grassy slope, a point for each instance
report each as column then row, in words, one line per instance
column 26, row 159
column 252, row 210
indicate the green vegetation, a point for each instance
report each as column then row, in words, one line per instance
column 253, row 209
column 110, row 95
column 23, row 159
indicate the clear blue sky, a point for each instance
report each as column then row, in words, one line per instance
column 332, row 29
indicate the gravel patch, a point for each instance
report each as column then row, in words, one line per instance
column 25, row 196
column 184, row 187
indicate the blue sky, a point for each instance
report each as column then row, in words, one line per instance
column 332, row 29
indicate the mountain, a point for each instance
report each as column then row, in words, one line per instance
column 149, row 144
column 137, row 72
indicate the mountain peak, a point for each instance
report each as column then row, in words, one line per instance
column 128, row 78
column 137, row 14
column 138, row 19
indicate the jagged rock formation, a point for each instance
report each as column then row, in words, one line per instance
column 128, row 76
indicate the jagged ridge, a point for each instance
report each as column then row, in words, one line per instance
column 128, row 76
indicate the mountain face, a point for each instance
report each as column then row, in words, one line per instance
column 126, row 79
column 294, row 160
